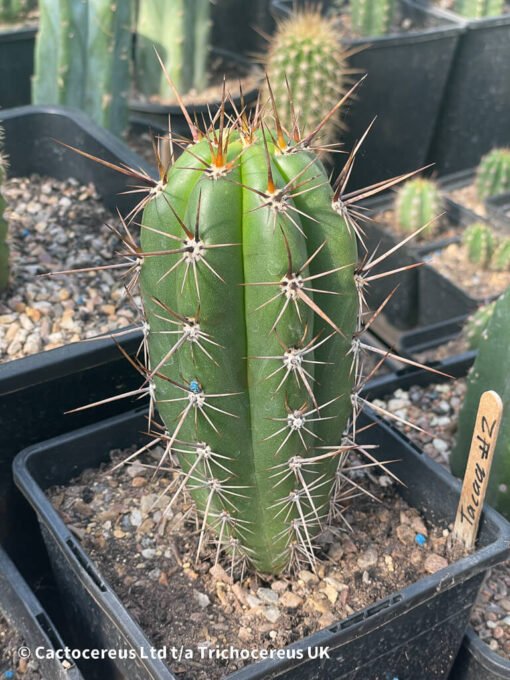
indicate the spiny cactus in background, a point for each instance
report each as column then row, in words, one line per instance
column 417, row 203
column 4, row 248
column 82, row 58
column 479, row 242
column 493, row 174
column 15, row 10
column 500, row 261
column 491, row 371
column 476, row 9
column 179, row 31
column 305, row 57
column 475, row 328
column 371, row 17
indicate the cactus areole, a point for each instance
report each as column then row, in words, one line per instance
column 251, row 308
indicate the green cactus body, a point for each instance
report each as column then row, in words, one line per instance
column 179, row 30
column 306, row 52
column 372, row 17
column 82, row 58
column 493, row 175
column 479, row 241
column 252, row 341
column 15, row 10
column 417, row 203
column 4, row 248
column 475, row 329
column 500, row 261
column 491, row 371
column 477, row 9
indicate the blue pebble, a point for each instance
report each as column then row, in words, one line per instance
column 421, row 540
column 195, row 386
column 25, row 233
column 80, row 299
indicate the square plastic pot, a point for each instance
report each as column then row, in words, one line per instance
column 474, row 113
column 392, row 638
column 498, row 209
column 36, row 391
column 407, row 76
column 16, row 66
column 24, row 613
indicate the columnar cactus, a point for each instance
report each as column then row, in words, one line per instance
column 15, row 10
column 82, row 58
column 491, row 371
column 500, row 261
column 493, row 174
column 4, row 248
column 372, row 17
column 479, row 242
column 417, row 203
column 477, row 9
column 476, row 326
column 305, row 57
column 251, row 318
column 179, row 31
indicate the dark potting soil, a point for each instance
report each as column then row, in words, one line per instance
column 150, row 563
column 58, row 225
column 478, row 283
column 436, row 408
column 11, row 665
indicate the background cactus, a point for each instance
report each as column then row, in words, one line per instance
column 371, row 17
column 475, row 328
column 260, row 293
column 179, row 30
column 500, row 261
column 15, row 10
column 476, row 9
column 82, row 58
column 417, row 203
column 4, row 248
column 479, row 242
column 491, row 371
column 493, row 174
column 305, row 51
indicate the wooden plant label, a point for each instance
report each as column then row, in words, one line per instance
column 476, row 478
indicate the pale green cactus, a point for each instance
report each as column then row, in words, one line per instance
column 478, row 9
column 15, row 10
column 493, row 174
column 179, row 31
column 371, row 17
column 500, row 261
column 479, row 241
column 475, row 328
column 418, row 203
column 82, row 58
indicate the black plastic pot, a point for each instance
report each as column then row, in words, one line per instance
column 16, row 66
column 157, row 114
column 474, row 113
column 391, row 639
column 428, row 337
column 403, row 309
column 36, row 391
column 407, row 75
column 498, row 209
column 25, row 614
column 476, row 661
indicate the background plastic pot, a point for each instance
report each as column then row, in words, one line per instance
column 16, row 66
column 25, row 614
column 474, row 113
column 36, row 391
column 476, row 661
column 391, row 638
column 407, row 75
column 498, row 209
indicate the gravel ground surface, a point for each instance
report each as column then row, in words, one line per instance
column 58, row 225
column 117, row 515
column 11, row 666
column 468, row 197
column 436, row 409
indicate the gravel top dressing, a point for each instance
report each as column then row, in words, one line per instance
column 58, row 225
column 150, row 563
column 479, row 283
column 10, row 662
column 458, row 345
column 435, row 408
